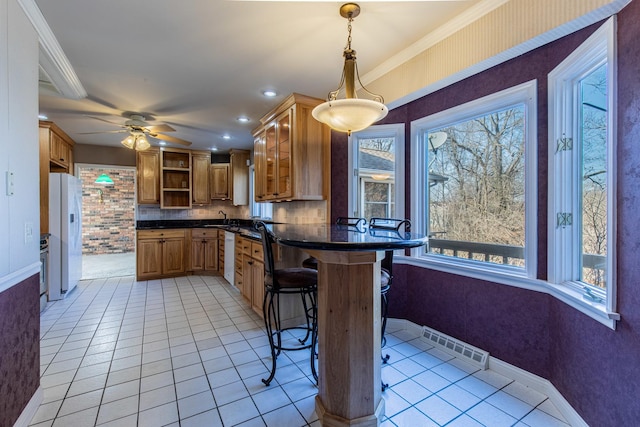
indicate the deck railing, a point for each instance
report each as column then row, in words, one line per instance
column 593, row 265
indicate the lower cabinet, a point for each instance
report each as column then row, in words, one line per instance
column 160, row 253
column 252, row 273
column 204, row 251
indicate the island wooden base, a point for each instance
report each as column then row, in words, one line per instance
column 349, row 383
column 328, row 420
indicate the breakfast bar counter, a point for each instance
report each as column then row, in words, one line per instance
column 349, row 320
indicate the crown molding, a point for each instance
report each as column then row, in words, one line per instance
column 52, row 58
column 449, row 28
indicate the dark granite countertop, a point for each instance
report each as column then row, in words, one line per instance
column 244, row 227
column 344, row 238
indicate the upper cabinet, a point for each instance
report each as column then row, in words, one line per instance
column 200, row 184
column 148, row 176
column 239, row 177
column 57, row 146
column 175, row 179
column 291, row 153
column 219, row 180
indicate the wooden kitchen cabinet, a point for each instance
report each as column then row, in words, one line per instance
column 175, row 179
column 201, row 161
column 148, row 176
column 160, row 253
column 55, row 155
column 252, row 272
column 238, row 281
column 239, row 177
column 204, row 250
column 291, row 153
column 219, row 179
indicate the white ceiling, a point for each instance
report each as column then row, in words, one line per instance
column 197, row 65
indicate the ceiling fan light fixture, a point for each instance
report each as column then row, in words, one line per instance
column 129, row 142
column 142, row 143
column 350, row 114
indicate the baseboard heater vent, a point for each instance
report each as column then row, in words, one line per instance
column 456, row 347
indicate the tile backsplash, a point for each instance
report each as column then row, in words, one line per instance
column 298, row 212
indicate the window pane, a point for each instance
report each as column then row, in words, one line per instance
column 593, row 131
column 378, row 199
column 476, row 188
column 376, row 169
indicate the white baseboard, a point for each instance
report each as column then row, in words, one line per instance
column 30, row 410
column 528, row 379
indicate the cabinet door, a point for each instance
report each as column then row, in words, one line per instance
column 283, row 142
column 148, row 168
column 58, row 149
column 173, row 256
column 259, row 159
column 210, row 254
column 247, row 274
column 200, row 177
column 219, row 181
column 270, row 178
column 149, row 259
column 197, row 254
column 257, row 286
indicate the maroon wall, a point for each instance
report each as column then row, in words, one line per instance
column 19, row 348
column 596, row 369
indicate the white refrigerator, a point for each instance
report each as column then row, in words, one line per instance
column 65, row 227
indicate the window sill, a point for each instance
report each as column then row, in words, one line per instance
column 571, row 297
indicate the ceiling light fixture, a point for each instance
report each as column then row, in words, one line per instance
column 226, row 137
column 269, row 93
column 350, row 114
column 243, row 119
column 136, row 141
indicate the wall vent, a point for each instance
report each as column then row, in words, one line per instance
column 456, row 347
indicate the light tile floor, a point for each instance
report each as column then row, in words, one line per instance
column 190, row 352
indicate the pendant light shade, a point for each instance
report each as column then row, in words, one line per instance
column 104, row 179
column 350, row 114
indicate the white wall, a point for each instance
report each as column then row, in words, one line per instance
column 18, row 145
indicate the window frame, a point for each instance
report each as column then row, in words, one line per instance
column 525, row 93
column 597, row 50
column 395, row 130
column 257, row 210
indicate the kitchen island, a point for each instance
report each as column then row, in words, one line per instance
column 349, row 320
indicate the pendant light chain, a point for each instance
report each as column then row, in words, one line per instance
column 349, row 34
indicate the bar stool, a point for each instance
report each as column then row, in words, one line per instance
column 301, row 281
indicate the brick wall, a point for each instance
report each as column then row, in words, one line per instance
column 108, row 222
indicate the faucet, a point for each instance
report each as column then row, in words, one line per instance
column 221, row 212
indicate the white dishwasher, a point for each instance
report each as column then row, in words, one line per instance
column 229, row 255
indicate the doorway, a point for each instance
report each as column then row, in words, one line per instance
column 108, row 220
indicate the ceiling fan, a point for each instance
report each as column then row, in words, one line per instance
column 139, row 130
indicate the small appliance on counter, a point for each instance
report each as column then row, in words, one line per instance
column 65, row 227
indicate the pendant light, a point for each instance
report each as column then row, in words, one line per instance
column 350, row 114
column 104, row 179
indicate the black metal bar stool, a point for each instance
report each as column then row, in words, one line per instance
column 302, row 281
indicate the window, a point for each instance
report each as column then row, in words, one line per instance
column 476, row 184
column 582, row 170
column 376, row 188
column 263, row 210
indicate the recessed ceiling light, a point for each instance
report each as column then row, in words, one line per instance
column 42, row 117
column 269, row 93
column 214, row 148
column 226, row 137
column 162, row 143
column 243, row 119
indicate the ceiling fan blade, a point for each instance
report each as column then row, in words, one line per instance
column 106, row 121
column 106, row 131
column 171, row 139
column 160, row 128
